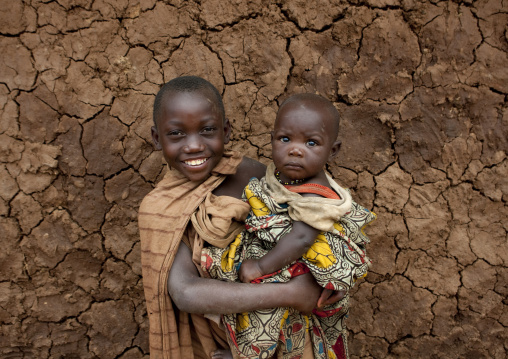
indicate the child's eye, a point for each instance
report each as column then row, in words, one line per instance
column 311, row 143
column 208, row 130
column 175, row 133
column 284, row 139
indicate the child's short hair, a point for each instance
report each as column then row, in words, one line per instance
column 186, row 84
column 319, row 101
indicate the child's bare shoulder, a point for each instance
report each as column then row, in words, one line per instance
column 234, row 184
column 251, row 168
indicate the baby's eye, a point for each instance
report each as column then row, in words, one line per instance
column 311, row 143
column 284, row 139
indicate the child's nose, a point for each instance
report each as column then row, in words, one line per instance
column 193, row 144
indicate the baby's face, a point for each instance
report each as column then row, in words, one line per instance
column 301, row 141
column 191, row 133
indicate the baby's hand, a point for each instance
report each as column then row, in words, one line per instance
column 249, row 270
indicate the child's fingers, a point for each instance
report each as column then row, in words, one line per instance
column 329, row 296
column 325, row 294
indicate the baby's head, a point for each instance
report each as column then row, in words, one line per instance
column 190, row 126
column 304, row 136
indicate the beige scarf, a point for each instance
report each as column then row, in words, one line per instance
column 163, row 218
column 318, row 212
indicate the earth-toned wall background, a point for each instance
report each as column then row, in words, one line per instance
column 422, row 87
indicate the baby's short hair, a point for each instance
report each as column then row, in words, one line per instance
column 319, row 101
column 186, row 84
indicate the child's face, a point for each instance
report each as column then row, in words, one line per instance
column 191, row 133
column 302, row 141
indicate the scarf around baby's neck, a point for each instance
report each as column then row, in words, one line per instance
column 318, row 212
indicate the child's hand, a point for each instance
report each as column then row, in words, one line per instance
column 249, row 270
column 329, row 296
column 305, row 293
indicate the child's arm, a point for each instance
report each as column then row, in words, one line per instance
column 194, row 294
column 289, row 248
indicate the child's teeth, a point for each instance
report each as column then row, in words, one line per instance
column 195, row 162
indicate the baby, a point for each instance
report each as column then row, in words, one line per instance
column 300, row 221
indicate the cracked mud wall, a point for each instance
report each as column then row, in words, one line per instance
column 422, row 89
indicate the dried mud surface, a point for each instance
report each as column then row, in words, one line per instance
column 422, row 88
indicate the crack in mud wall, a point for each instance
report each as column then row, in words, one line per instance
column 422, row 88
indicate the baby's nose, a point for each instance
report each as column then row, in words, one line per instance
column 296, row 151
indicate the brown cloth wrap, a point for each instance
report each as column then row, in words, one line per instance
column 163, row 218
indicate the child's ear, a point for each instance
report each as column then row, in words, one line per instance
column 335, row 149
column 155, row 138
column 227, row 131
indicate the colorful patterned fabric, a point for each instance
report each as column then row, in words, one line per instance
column 336, row 259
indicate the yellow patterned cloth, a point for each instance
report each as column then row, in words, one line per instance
column 336, row 259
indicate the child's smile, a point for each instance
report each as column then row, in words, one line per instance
column 195, row 163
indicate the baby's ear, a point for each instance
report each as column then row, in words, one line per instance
column 227, row 131
column 155, row 138
column 335, row 149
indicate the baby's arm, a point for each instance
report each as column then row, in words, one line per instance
column 194, row 294
column 289, row 248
